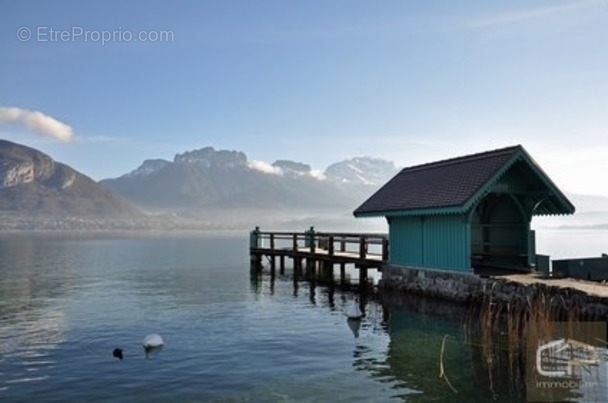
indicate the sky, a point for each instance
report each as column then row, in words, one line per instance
column 102, row 86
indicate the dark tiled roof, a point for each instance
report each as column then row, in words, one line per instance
column 447, row 183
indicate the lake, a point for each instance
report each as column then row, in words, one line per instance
column 67, row 301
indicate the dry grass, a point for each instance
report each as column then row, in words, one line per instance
column 510, row 325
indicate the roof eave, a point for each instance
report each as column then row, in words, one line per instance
column 412, row 212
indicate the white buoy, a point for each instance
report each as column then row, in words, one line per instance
column 353, row 311
column 152, row 341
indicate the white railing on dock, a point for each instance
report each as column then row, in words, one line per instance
column 361, row 246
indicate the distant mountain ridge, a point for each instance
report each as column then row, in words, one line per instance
column 221, row 178
column 33, row 185
column 358, row 170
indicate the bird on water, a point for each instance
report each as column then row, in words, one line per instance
column 152, row 341
column 117, row 353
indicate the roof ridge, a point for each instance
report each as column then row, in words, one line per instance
column 464, row 158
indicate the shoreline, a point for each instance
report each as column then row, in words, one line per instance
column 558, row 298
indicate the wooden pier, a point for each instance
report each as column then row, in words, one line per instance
column 312, row 250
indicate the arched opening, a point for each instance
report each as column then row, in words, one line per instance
column 499, row 233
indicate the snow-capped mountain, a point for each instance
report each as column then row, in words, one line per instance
column 361, row 170
column 209, row 177
column 149, row 167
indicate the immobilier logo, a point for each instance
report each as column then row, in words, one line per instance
column 568, row 363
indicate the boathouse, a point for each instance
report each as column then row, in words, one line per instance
column 467, row 212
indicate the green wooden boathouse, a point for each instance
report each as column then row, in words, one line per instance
column 467, row 212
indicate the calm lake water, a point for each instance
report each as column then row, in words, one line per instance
column 67, row 302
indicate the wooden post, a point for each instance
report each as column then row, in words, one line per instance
column 330, row 246
column 282, row 267
column 272, row 264
column 271, row 241
column 256, row 263
column 362, row 277
column 327, row 271
column 297, row 267
column 310, row 268
column 342, row 273
column 295, row 242
column 254, row 238
column 362, row 247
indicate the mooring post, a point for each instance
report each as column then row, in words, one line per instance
column 310, row 239
column 254, row 256
column 254, row 238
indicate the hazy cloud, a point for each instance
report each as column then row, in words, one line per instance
column 533, row 14
column 317, row 174
column 37, row 122
column 265, row 167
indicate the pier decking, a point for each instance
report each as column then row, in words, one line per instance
column 312, row 250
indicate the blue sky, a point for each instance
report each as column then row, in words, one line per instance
column 315, row 81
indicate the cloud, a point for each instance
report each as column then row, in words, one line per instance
column 37, row 122
column 315, row 173
column 265, row 167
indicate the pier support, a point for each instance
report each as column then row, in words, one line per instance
column 362, row 277
column 256, row 263
column 326, row 273
column 311, row 271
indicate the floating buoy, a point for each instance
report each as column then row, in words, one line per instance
column 152, row 341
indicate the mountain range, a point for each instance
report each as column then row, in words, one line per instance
column 203, row 188
column 209, row 178
column 208, row 189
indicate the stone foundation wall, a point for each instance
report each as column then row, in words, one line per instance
column 470, row 289
column 443, row 284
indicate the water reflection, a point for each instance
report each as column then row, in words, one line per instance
column 432, row 352
column 354, row 325
column 32, row 321
column 429, row 353
column 260, row 336
column 151, row 352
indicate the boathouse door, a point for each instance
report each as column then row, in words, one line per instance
column 499, row 233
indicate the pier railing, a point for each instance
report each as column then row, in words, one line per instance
column 358, row 248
